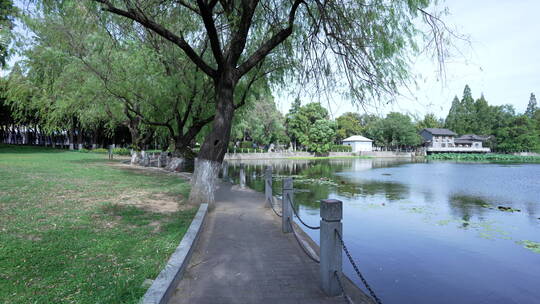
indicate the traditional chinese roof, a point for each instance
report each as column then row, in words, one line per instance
column 472, row 137
column 440, row 131
column 357, row 138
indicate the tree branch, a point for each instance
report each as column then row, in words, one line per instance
column 163, row 32
column 238, row 41
column 188, row 6
column 206, row 14
column 270, row 44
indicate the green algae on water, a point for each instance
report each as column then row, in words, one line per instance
column 531, row 245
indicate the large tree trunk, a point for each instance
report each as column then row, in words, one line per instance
column 79, row 139
column 71, row 144
column 214, row 147
column 182, row 148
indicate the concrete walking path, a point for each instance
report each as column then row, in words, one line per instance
column 243, row 257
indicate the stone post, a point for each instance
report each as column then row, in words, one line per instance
column 162, row 160
column 331, row 259
column 268, row 187
column 225, row 170
column 110, row 152
column 146, row 159
column 286, row 205
column 242, row 176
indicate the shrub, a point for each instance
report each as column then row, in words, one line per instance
column 246, row 145
column 341, row 148
column 120, row 151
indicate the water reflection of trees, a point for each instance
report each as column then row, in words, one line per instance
column 316, row 180
column 466, row 206
column 391, row 190
column 531, row 209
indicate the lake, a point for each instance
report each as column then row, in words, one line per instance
column 426, row 232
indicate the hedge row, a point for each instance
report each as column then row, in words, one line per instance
column 482, row 157
column 341, row 148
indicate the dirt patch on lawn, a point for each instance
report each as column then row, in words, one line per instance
column 151, row 201
column 150, row 170
column 154, row 202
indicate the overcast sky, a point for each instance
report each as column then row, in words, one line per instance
column 503, row 60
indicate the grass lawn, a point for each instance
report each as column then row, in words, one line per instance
column 77, row 228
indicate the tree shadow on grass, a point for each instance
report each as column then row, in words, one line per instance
column 130, row 214
column 27, row 149
column 139, row 217
column 89, row 161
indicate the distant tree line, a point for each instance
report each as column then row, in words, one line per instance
column 510, row 131
column 309, row 127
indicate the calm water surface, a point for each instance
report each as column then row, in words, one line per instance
column 427, row 232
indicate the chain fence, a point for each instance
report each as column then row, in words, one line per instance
column 298, row 217
column 273, row 209
column 357, row 270
column 311, row 257
column 342, row 289
column 300, row 243
column 272, row 200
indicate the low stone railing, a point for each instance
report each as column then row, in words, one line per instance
column 330, row 228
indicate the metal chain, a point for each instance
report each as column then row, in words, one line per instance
column 272, row 201
column 341, row 287
column 300, row 243
column 357, row 270
column 272, row 205
column 299, row 218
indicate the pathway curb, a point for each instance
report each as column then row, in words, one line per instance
column 164, row 285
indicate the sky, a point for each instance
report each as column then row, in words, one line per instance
column 501, row 60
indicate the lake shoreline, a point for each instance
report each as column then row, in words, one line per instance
column 313, row 156
column 490, row 157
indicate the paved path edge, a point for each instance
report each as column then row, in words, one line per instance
column 164, row 285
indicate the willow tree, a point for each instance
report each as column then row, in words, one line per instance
column 131, row 70
column 363, row 44
column 7, row 13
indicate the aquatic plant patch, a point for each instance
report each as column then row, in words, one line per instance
column 531, row 245
column 508, row 209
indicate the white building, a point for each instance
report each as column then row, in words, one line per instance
column 359, row 143
column 444, row 140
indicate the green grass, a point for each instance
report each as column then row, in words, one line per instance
column 74, row 228
column 328, row 157
column 483, row 157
